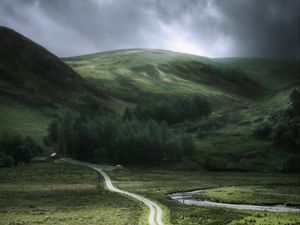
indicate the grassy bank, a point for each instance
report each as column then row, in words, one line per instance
column 257, row 195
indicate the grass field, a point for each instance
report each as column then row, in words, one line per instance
column 156, row 184
column 256, row 195
column 67, row 194
column 62, row 194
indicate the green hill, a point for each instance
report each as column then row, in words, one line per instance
column 139, row 75
column 34, row 84
column 32, row 75
column 271, row 73
column 243, row 92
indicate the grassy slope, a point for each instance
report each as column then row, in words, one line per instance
column 137, row 75
column 35, row 84
column 39, row 81
column 30, row 74
column 273, row 73
column 242, row 92
column 62, row 194
column 226, row 137
column 16, row 118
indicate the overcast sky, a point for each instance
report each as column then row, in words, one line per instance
column 214, row 28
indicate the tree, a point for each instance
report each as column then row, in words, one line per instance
column 127, row 115
column 7, row 160
column 22, row 153
column 295, row 99
column 61, row 141
column 263, row 130
column 188, row 145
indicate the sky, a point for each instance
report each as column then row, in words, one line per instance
column 213, row 28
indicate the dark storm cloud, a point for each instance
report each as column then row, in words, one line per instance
column 264, row 28
column 208, row 27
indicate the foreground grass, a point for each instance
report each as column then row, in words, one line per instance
column 156, row 184
column 62, row 194
column 68, row 194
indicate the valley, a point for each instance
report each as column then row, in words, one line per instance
column 174, row 122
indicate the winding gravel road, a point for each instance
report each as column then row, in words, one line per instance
column 155, row 216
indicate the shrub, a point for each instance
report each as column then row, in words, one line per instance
column 7, row 160
column 21, row 149
column 295, row 99
column 292, row 164
column 22, row 153
column 263, row 130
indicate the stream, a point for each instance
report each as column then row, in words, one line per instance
column 188, row 199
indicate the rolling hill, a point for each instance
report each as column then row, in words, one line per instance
column 244, row 92
column 271, row 73
column 34, row 84
column 30, row 74
column 139, row 75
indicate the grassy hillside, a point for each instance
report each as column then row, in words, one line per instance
column 34, row 83
column 242, row 91
column 35, row 86
column 30, row 74
column 271, row 73
column 226, row 139
column 137, row 75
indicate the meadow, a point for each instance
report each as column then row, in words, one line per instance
column 156, row 184
column 60, row 193
column 53, row 193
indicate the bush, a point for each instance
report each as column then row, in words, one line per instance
column 286, row 133
column 252, row 164
column 19, row 148
column 263, row 130
column 7, row 160
column 295, row 99
column 22, row 153
column 215, row 162
column 292, row 164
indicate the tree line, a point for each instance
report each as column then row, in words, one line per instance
column 115, row 139
column 174, row 111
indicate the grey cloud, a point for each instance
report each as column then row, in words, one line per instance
column 218, row 27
